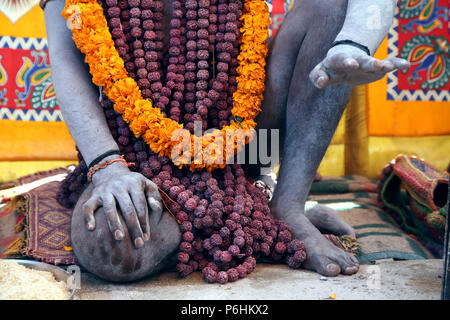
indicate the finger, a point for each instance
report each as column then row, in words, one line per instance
column 319, row 77
column 387, row 66
column 130, row 216
column 112, row 217
column 88, row 210
column 140, row 203
column 154, row 201
column 342, row 62
column 372, row 65
column 399, row 63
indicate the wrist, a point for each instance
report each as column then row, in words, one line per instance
column 104, row 157
column 348, row 42
column 112, row 169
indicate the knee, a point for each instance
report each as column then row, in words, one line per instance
column 119, row 261
column 102, row 255
column 321, row 8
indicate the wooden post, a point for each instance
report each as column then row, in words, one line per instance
column 356, row 137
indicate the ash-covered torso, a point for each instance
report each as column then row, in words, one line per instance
column 183, row 55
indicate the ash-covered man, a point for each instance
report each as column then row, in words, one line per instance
column 322, row 50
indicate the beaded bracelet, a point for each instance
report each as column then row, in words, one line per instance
column 104, row 164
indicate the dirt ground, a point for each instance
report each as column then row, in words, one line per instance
column 385, row 280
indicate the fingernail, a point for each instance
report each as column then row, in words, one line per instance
column 320, row 82
column 138, row 242
column 146, row 237
column 118, row 235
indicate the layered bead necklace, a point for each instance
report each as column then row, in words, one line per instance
column 224, row 218
column 200, row 61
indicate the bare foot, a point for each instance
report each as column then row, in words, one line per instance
column 321, row 255
column 328, row 221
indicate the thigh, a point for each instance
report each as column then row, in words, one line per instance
column 302, row 42
column 311, row 109
column 329, row 16
column 113, row 260
column 281, row 60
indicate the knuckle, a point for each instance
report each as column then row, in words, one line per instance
column 141, row 216
column 142, row 212
column 133, row 182
column 155, row 195
column 152, row 185
column 155, row 204
column 85, row 208
column 108, row 189
column 128, row 210
column 109, row 209
column 115, row 185
column 112, row 224
column 128, row 178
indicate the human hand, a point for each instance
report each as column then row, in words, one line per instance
column 348, row 64
column 133, row 193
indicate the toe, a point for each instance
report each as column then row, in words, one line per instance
column 327, row 220
column 353, row 259
column 348, row 264
column 322, row 265
column 350, row 232
column 349, row 270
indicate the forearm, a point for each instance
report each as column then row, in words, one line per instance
column 77, row 96
column 367, row 22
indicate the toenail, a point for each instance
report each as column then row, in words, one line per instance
column 332, row 267
column 351, row 269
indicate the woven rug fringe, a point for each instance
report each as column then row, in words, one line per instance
column 17, row 204
column 15, row 247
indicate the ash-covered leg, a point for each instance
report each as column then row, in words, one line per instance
column 308, row 118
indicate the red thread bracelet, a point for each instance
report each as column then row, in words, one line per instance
column 106, row 163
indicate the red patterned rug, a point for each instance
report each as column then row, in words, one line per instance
column 35, row 225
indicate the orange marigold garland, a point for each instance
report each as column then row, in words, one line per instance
column 94, row 39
